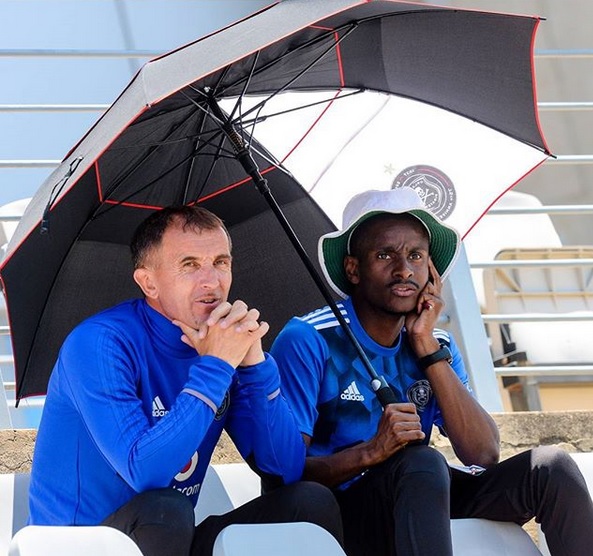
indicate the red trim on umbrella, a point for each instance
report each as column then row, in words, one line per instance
column 339, row 57
column 341, row 73
column 338, row 52
column 98, row 178
column 311, row 127
column 131, row 205
column 234, row 185
column 503, row 193
column 200, row 200
column 533, row 85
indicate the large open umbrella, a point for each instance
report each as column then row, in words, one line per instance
column 314, row 77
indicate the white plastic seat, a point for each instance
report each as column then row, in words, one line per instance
column 473, row 537
column 226, row 487
column 7, row 227
column 14, row 506
column 37, row 540
column 281, row 539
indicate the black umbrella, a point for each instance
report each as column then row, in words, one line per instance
column 176, row 133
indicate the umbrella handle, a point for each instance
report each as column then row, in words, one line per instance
column 383, row 391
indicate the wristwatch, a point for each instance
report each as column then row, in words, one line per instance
column 439, row 355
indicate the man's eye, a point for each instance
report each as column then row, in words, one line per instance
column 416, row 256
column 223, row 262
column 383, row 256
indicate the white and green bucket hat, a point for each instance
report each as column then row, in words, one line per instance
column 334, row 246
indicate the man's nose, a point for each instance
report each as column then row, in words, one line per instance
column 208, row 276
column 401, row 267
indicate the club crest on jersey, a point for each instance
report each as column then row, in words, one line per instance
column 223, row 406
column 420, row 394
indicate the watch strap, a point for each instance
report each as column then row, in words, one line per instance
column 439, row 355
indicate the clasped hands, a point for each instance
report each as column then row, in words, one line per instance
column 232, row 333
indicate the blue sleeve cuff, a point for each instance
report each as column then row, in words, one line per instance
column 264, row 374
column 209, row 380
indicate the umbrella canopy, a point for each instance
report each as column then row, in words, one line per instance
column 175, row 133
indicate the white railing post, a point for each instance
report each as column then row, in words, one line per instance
column 5, row 420
column 468, row 329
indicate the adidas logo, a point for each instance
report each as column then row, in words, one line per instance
column 158, row 409
column 352, row 394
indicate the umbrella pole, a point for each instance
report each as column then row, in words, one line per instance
column 379, row 385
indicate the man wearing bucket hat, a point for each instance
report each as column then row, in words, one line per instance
column 397, row 494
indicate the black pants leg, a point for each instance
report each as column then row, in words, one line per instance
column 544, row 483
column 161, row 522
column 399, row 508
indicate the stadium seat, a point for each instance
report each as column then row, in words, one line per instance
column 14, row 506
column 37, row 540
column 283, row 539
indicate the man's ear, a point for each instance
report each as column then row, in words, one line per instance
column 143, row 277
column 351, row 269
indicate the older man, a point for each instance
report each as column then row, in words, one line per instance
column 142, row 391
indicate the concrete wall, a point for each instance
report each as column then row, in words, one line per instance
column 572, row 430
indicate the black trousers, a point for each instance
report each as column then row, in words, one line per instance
column 403, row 507
column 161, row 522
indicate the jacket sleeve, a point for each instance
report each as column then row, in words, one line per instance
column 301, row 355
column 98, row 372
column 262, row 426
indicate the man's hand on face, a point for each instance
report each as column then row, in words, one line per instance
column 421, row 322
column 231, row 333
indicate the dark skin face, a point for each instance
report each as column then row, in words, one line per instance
column 389, row 269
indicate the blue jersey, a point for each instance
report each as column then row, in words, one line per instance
column 130, row 407
column 329, row 388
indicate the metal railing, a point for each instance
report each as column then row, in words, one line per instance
column 541, row 370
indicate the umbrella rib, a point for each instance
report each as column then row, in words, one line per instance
column 152, row 182
column 219, row 147
column 247, row 80
column 245, row 87
column 336, row 42
column 112, row 191
column 258, row 119
column 197, row 148
column 217, row 157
